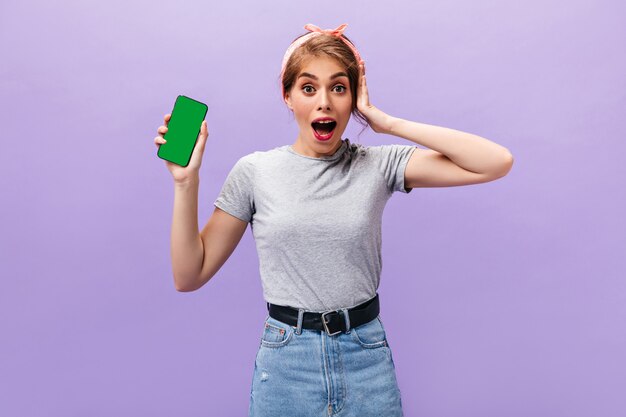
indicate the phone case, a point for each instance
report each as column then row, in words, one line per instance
column 183, row 129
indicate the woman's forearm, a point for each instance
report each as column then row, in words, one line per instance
column 186, row 245
column 471, row 152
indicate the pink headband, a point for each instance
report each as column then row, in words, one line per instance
column 314, row 32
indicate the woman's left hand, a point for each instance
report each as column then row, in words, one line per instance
column 379, row 121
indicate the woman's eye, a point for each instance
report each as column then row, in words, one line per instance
column 343, row 89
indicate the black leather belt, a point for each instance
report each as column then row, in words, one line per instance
column 331, row 321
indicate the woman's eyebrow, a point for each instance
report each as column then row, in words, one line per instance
column 332, row 77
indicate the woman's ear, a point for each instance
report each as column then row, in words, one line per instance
column 288, row 101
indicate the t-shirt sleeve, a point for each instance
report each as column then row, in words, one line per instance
column 391, row 161
column 237, row 194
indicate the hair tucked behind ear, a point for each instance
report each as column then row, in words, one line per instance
column 330, row 46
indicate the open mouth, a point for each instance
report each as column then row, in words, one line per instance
column 324, row 130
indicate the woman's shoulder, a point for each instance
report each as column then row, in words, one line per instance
column 261, row 157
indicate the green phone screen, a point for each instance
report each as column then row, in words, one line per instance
column 182, row 130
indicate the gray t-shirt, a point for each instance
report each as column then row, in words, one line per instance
column 317, row 221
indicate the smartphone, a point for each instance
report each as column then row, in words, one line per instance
column 183, row 129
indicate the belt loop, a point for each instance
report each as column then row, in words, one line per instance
column 300, row 317
column 347, row 319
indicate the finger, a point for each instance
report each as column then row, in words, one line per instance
column 202, row 136
column 162, row 129
column 204, row 132
column 167, row 118
column 159, row 140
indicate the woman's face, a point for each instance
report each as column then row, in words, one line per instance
column 321, row 90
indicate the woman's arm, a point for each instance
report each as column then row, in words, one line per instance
column 468, row 151
column 186, row 246
column 453, row 158
column 198, row 256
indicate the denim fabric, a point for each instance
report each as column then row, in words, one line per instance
column 307, row 373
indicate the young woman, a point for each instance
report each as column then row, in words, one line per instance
column 315, row 208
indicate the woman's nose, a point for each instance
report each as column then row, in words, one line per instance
column 324, row 101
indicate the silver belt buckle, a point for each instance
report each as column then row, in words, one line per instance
column 325, row 323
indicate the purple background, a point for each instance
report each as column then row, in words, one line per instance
column 499, row 299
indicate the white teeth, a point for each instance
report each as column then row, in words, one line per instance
column 325, row 121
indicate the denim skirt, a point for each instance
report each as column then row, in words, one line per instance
column 308, row 373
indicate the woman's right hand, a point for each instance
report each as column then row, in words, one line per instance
column 182, row 174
